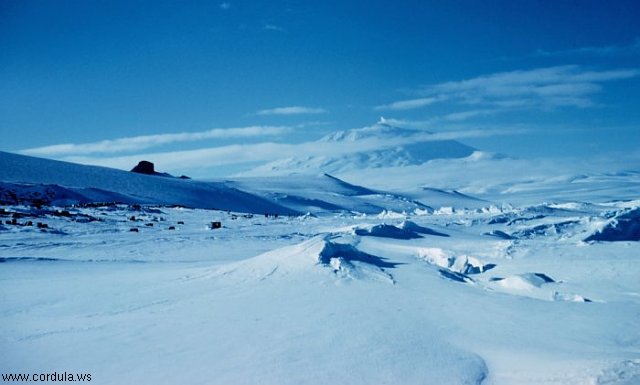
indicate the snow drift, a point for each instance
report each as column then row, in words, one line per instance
column 319, row 254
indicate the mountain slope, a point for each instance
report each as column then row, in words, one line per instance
column 19, row 172
column 29, row 180
column 317, row 193
column 377, row 146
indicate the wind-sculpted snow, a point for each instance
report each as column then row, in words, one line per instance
column 533, row 285
column 462, row 264
column 500, row 234
column 543, row 229
column 625, row 226
column 321, row 253
column 412, row 227
column 386, row 231
column 347, row 261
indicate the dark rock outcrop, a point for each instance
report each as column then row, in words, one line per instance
column 144, row 167
column 148, row 168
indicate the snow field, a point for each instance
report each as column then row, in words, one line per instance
column 333, row 298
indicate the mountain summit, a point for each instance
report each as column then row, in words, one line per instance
column 377, row 146
column 381, row 130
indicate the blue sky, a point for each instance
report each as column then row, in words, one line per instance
column 97, row 80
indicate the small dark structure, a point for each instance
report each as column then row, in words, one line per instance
column 148, row 168
column 172, row 227
column 216, row 225
column 144, row 167
column 134, row 230
column 63, row 213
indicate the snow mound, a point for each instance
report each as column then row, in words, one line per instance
column 499, row 234
column 530, row 285
column 413, row 227
column 625, row 226
column 462, row 264
column 569, row 297
column 386, row 231
column 533, row 285
column 455, row 276
column 344, row 259
column 349, row 262
column 546, row 229
column 527, row 281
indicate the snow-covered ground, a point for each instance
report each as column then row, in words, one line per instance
column 419, row 286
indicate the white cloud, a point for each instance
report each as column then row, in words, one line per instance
column 569, row 85
column 293, row 110
column 561, row 86
column 415, row 124
column 179, row 161
column 408, row 104
column 137, row 143
column 465, row 115
column 438, row 121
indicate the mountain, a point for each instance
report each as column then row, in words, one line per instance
column 64, row 183
column 377, row 146
column 37, row 181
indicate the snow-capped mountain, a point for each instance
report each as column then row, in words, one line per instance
column 377, row 146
